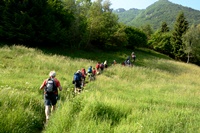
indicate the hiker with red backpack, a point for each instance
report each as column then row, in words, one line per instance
column 50, row 87
column 84, row 74
column 98, row 67
column 94, row 72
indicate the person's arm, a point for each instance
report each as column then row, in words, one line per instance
column 43, row 85
column 60, row 88
column 58, row 85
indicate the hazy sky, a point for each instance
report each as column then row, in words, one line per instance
column 142, row 4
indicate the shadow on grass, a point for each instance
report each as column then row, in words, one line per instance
column 96, row 55
column 144, row 57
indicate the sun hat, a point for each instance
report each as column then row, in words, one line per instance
column 52, row 74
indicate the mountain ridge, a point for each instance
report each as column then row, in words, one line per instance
column 155, row 14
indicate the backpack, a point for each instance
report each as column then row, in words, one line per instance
column 50, row 85
column 101, row 65
column 98, row 66
column 77, row 77
column 89, row 70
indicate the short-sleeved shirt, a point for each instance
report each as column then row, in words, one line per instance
column 51, row 99
column 97, row 66
column 94, row 72
column 57, row 83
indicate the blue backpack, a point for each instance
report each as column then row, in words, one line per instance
column 77, row 77
column 90, row 70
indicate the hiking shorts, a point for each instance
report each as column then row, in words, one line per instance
column 77, row 84
column 50, row 99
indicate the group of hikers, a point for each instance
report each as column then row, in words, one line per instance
column 52, row 84
column 127, row 62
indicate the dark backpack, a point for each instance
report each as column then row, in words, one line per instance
column 77, row 77
column 101, row 65
column 89, row 70
column 50, row 85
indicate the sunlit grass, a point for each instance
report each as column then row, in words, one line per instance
column 156, row 95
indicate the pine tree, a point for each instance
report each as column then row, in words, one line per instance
column 180, row 28
column 164, row 27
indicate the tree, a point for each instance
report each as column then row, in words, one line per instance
column 79, row 33
column 192, row 43
column 35, row 22
column 147, row 29
column 164, row 27
column 161, row 42
column 103, row 24
column 136, row 37
column 180, row 28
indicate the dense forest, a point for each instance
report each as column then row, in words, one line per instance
column 67, row 23
column 83, row 24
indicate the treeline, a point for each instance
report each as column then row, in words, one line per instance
column 181, row 43
column 65, row 23
column 83, row 24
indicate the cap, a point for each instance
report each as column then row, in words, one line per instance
column 78, row 71
column 52, row 74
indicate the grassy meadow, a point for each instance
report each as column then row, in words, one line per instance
column 156, row 95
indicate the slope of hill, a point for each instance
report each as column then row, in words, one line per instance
column 127, row 16
column 155, row 14
column 157, row 94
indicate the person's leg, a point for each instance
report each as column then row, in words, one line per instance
column 78, row 87
column 75, row 87
column 53, row 108
column 47, row 103
column 47, row 111
column 53, row 101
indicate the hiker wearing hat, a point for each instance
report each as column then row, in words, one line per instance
column 50, row 87
column 133, row 56
column 77, row 81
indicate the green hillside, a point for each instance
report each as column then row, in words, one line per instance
column 160, row 11
column 157, row 94
column 127, row 16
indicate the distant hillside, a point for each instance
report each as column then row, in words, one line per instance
column 127, row 16
column 155, row 14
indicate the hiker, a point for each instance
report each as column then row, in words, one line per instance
column 128, row 62
column 84, row 74
column 77, row 81
column 114, row 62
column 105, row 64
column 102, row 66
column 50, row 86
column 89, row 72
column 98, row 67
column 133, row 56
column 94, row 72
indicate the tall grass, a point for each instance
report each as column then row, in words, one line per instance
column 156, row 95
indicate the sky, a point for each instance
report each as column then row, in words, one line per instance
column 143, row 4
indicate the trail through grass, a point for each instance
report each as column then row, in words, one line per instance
column 156, row 95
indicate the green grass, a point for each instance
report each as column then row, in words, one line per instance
column 156, row 95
